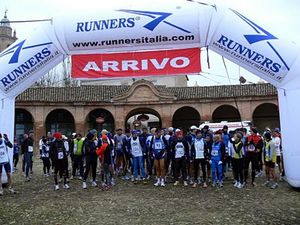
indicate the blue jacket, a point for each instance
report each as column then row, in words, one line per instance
column 158, row 152
column 225, row 138
column 217, row 152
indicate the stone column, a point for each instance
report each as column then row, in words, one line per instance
column 79, row 118
column 120, row 117
column 205, row 112
column 245, row 110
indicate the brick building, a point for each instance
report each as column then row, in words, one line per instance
column 70, row 109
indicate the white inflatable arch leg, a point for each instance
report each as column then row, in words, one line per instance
column 289, row 107
column 7, row 118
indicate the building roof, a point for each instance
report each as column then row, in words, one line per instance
column 106, row 93
column 5, row 21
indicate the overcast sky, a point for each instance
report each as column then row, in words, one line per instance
column 279, row 17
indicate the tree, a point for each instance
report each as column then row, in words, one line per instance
column 60, row 76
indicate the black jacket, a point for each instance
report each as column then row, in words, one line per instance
column 186, row 147
column 58, row 151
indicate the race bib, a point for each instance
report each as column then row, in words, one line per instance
column 60, row 155
column 3, row 155
column 251, row 148
column 119, row 146
column 214, row 152
column 199, row 154
column 30, row 148
column 158, row 145
column 199, row 150
column 135, row 150
column 179, row 151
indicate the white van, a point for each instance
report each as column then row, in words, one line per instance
column 231, row 125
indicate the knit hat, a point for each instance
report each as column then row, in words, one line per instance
column 254, row 130
column 104, row 131
column 268, row 135
column 198, row 131
column 93, row 131
column 90, row 136
column 57, row 135
column 127, row 131
column 206, row 127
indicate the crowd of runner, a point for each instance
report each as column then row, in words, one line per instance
column 161, row 156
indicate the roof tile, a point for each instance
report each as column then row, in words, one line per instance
column 105, row 93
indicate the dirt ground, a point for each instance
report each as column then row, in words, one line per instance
column 37, row 203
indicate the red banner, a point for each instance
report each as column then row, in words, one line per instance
column 149, row 63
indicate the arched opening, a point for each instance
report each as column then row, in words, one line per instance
column 266, row 115
column 60, row 120
column 185, row 117
column 100, row 119
column 143, row 117
column 23, row 123
column 226, row 113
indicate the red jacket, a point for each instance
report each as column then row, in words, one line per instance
column 100, row 151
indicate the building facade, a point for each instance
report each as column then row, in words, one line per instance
column 7, row 35
column 78, row 109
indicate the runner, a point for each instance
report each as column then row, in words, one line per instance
column 191, row 138
column 158, row 147
column 277, row 141
column 199, row 157
column 58, row 155
column 225, row 139
column 217, row 155
column 238, row 161
column 27, row 151
column 127, row 156
column 253, row 149
column 4, row 162
column 16, row 154
column 44, row 153
column 170, row 137
column 150, row 158
column 90, row 159
column 76, row 148
column 180, row 149
column 270, row 160
column 136, row 147
column 118, row 139
column 104, row 153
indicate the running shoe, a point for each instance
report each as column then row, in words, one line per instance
column 176, row 183
column 274, row 186
column 11, row 190
column 158, row 183
column 162, row 183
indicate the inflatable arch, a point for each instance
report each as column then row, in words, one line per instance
column 135, row 26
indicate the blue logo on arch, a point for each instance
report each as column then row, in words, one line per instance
column 158, row 17
column 16, row 50
column 261, row 35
